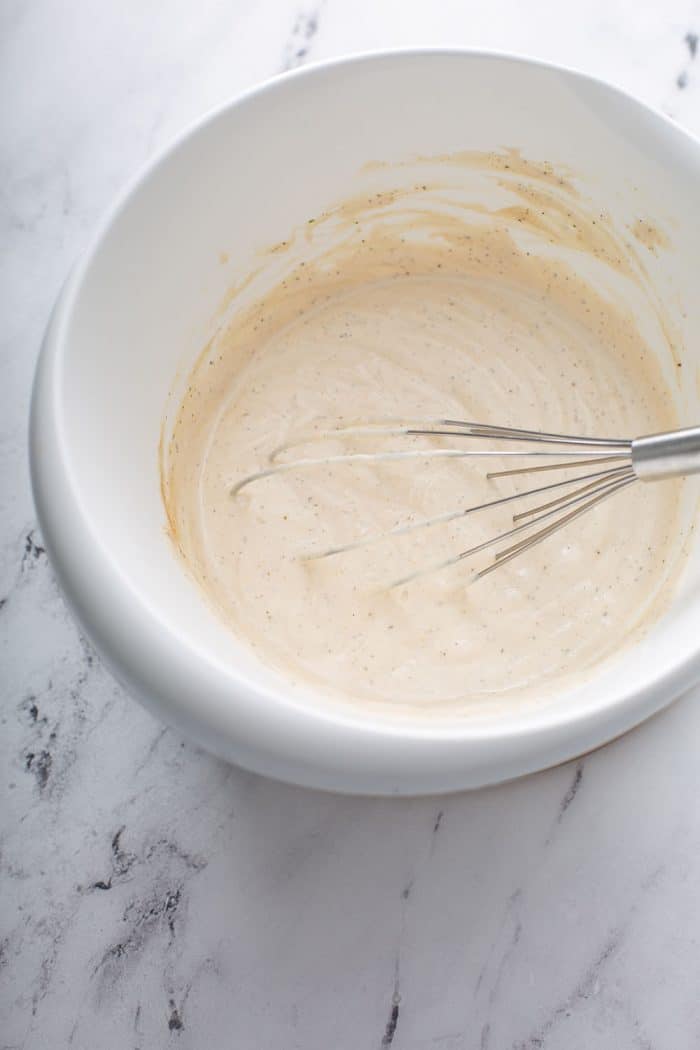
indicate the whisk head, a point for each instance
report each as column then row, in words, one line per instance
column 596, row 468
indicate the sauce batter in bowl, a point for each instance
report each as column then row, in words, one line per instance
column 423, row 303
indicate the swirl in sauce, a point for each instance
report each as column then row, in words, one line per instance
column 409, row 305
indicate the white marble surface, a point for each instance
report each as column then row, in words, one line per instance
column 152, row 897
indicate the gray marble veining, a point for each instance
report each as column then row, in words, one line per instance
column 151, row 896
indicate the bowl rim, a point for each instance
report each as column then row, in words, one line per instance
column 620, row 708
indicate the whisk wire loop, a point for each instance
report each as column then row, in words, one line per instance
column 621, row 462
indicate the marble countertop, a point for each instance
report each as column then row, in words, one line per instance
column 151, row 896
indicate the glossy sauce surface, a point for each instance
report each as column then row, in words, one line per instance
column 415, row 315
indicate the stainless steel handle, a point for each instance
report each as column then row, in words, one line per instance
column 669, row 455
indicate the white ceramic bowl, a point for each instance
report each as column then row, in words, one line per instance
column 137, row 309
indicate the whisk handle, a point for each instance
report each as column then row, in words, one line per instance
column 669, row 455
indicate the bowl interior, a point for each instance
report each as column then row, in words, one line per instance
column 150, row 294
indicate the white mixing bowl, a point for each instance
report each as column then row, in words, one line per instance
column 138, row 309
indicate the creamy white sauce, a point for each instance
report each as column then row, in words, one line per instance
column 461, row 321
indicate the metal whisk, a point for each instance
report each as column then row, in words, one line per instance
column 603, row 467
